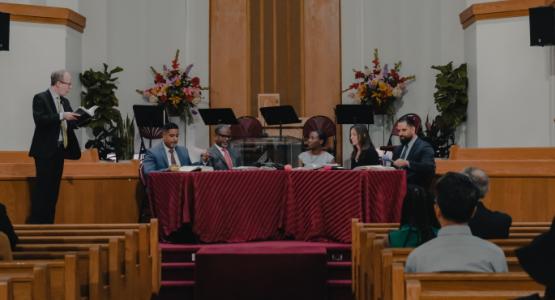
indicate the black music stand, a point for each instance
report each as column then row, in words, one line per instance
column 354, row 114
column 279, row 115
column 215, row 116
column 150, row 120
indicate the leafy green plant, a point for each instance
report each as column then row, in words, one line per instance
column 451, row 99
column 100, row 90
column 126, row 138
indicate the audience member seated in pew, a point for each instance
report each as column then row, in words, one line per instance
column 417, row 220
column 538, row 260
column 485, row 223
column 455, row 249
column 6, row 226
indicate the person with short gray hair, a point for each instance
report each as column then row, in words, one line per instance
column 485, row 223
column 53, row 141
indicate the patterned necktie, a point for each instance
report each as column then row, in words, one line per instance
column 173, row 162
column 227, row 158
column 62, row 122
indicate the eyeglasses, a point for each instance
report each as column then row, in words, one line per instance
column 225, row 136
column 67, row 83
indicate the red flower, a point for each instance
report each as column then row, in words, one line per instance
column 159, row 78
column 163, row 98
column 359, row 74
column 195, row 81
column 353, row 86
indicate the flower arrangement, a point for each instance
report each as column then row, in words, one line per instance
column 175, row 90
column 379, row 87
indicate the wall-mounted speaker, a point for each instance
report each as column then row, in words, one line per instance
column 542, row 26
column 4, row 31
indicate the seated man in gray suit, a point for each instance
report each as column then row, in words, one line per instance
column 221, row 156
column 167, row 153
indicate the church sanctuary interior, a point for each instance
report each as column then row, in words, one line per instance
column 277, row 149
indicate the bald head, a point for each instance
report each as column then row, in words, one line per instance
column 479, row 178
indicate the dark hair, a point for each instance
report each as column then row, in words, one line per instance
column 321, row 136
column 410, row 120
column 169, row 126
column 456, row 196
column 363, row 137
column 219, row 128
column 418, row 213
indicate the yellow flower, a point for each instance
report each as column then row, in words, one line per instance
column 177, row 82
column 361, row 91
column 175, row 100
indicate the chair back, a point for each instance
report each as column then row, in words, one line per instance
column 247, row 127
column 324, row 124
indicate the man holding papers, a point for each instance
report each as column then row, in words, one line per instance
column 167, row 153
column 53, row 141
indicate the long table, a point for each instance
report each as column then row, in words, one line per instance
column 239, row 206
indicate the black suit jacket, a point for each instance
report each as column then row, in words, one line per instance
column 368, row 157
column 489, row 224
column 47, row 128
column 422, row 163
column 6, row 226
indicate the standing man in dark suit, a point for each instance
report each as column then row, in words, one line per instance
column 167, row 153
column 221, row 156
column 485, row 223
column 53, row 141
column 414, row 155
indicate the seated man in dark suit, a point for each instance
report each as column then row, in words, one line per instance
column 167, row 153
column 221, row 156
column 486, row 224
column 414, row 155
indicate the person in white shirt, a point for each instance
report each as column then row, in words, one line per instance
column 455, row 249
column 167, row 153
column 316, row 156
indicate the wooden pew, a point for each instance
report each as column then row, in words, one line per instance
column 88, row 155
column 461, row 285
column 29, row 286
column 106, row 278
column 62, row 275
column 363, row 261
column 148, row 248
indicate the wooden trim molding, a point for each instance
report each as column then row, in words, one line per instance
column 499, row 10
column 44, row 14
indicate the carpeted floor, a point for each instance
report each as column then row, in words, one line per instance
column 257, row 270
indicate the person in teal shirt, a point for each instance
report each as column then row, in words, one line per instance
column 418, row 223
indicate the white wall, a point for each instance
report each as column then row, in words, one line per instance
column 137, row 34
column 419, row 33
column 511, row 94
column 35, row 51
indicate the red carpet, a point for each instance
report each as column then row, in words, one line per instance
column 259, row 270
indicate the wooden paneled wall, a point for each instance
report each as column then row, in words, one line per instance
column 289, row 47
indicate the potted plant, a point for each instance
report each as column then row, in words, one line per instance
column 106, row 123
column 451, row 99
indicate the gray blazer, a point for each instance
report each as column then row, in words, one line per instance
column 217, row 160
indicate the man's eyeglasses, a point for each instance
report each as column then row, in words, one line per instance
column 225, row 136
column 66, row 83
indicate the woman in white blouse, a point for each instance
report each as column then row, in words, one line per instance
column 316, row 156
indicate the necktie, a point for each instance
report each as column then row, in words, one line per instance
column 172, row 158
column 227, row 158
column 62, row 123
column 403, row 154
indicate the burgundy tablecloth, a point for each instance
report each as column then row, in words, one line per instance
column 236, row 206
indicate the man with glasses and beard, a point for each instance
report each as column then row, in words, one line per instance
column 414, row 155
column 221, row 156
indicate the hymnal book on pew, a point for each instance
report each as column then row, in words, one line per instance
column 85, row 114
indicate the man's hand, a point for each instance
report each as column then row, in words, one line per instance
column 70, row 116
column 205, row 156
column 401, row 163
